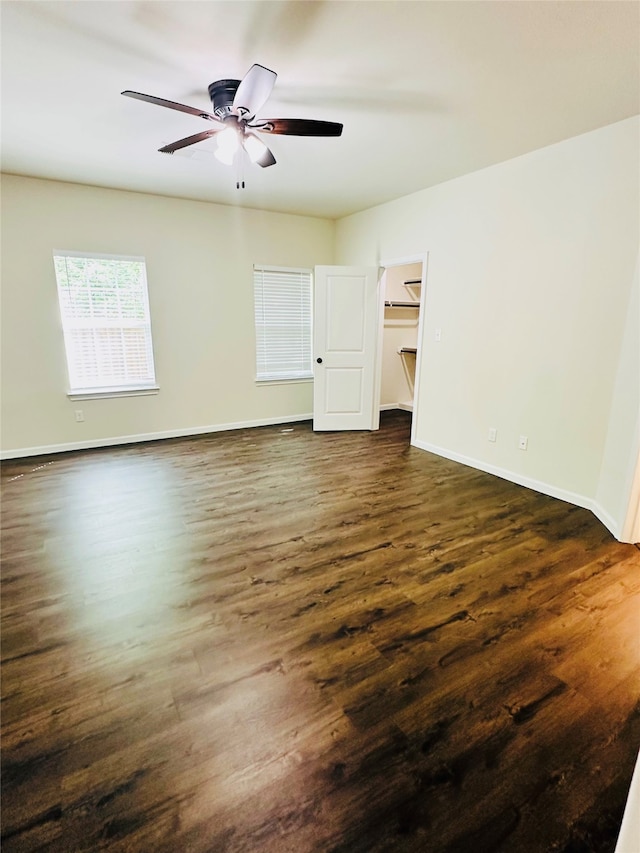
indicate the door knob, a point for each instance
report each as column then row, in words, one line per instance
column 319, row 360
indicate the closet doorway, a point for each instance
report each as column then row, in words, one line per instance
column 403, row 292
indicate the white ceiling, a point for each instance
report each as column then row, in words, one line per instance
column 426, row 91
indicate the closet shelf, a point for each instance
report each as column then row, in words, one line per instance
column 412, row 282
column 413, row 350
column 394, row 304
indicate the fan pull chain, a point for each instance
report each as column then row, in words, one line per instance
column 240, row 169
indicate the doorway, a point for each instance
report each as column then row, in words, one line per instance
column 403, row 291
column 367, row 332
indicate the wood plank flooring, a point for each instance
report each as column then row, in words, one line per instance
column 271, row 640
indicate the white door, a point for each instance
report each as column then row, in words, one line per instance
column 345, row 340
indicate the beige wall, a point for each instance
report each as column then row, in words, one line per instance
column 530, row 279
column 616, row 483
column 199, row 268
column 530, row 274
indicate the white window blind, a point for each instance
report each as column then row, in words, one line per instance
column 104, row 307
column 283, row 323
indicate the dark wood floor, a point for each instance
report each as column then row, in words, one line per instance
column 271, row 640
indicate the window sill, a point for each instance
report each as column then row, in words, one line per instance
column 297, row 381
column 108, row 393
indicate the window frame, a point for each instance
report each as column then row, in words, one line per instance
column 133, row 389
column 274, row 378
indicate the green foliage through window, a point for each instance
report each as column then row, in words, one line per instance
column 105, row 316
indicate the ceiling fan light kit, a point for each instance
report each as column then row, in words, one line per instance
column 235, row 105
column 227, row 145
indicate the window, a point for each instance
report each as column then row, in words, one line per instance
column 105, row 318
column 283, row 323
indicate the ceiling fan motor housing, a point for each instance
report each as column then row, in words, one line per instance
column 222, row 93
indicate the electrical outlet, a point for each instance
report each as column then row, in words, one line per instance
column 79, row 415
column 523, row 443
column 493, row 434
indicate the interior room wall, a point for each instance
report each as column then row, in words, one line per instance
column 622, row 447
column 531, row 266
column 199, row 267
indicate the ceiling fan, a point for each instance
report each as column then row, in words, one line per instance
column 235, row 104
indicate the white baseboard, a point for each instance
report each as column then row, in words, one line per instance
column 112, row 441
column 92, row 444
column 537, row 485
column 609, row 521
column 544, row 488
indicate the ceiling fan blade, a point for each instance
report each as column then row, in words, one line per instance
column 298, row 127
column 253, row 91
column 172, row 105
column 188, row 140
column 258, row 151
